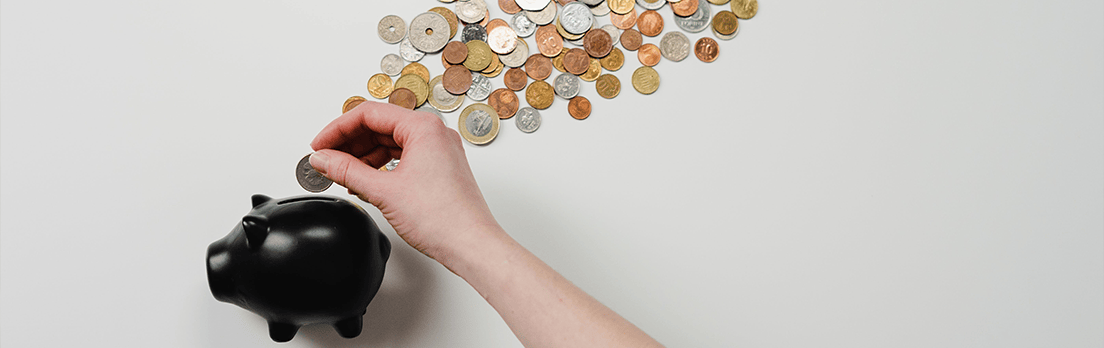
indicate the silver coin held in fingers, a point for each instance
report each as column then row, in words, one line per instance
column 310, row 179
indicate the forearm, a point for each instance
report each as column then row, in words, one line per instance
column 541, row 307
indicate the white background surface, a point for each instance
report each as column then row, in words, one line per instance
column 847, row 174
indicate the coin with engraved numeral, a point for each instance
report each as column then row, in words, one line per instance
column 310, row 179
column 696, row 22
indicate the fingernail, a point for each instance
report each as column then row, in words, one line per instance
column 319, row 160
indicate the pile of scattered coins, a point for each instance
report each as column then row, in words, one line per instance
column 490, row 47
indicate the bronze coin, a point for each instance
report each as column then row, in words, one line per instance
column 486, row 18
column 598, row 43
column 457, row 80
column 650, row 23
column 515, row 78
column 455, row 52
column 579, row 107
column 625, row 21
column 352, row 102
column 576, row 61
column 403, row 97
column 450, row 17
column 540, row 94
column 538, row 67
column 549, row 41
column 706, row 49
column 684, row 8
column 445, row 64
column 504, row 101
column 649, row 54
column 509, row 6
column 725, row 23
column 631, row 39
column 495, row 23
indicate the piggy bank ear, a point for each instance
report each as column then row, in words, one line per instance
column 259, row 199
column 256, row 229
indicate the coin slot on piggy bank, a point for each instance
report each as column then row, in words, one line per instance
column 299, row 261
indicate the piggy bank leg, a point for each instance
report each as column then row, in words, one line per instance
column 349, row 327
column 281, row 332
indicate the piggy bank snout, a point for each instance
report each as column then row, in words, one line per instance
column 219, row 273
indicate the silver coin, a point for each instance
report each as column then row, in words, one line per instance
column 566, row 85
column 651, row 4
column 615, row 33
column 518, row 57
column 480, row 88
column 391, row 64
column 698, row 21
column 310, row 179
column 441, row 99
column 473, row 32
column 408, row 52
column 533, row 5
column 578, row 42
column 429, row 32
column 600, row 10
column 391, row 165
column 471, row 11
column 528, row 119
column 522, row 25
column 726, row 37
column 502, row 40
column 479, row 123
column 575, row 18
column 432, row 110
column 543, row 16
column 392, row 29
column 674, row 46
column 592, row 2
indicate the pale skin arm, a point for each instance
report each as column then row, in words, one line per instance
column 434, row 204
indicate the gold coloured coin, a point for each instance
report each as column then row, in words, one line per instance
column 417, row 69
column 566, row 35
column 725, row 23
column 414, row 83
column 718, row 2
column 621, row 6
column 478, row 123
column 614, row 61
column 745, row 9
column 608, row 86
column 557, row 61
column 450, row 17
column 351, row 103
column 539, row 94
column 380, row 86
column 645, row 80
column 593, row 71
column 479, row 56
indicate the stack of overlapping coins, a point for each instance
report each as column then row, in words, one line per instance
column 490, row 47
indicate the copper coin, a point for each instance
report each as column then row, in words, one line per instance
column 455, row 52
column 579, row 107
column 538, row 67
column 504, row 101
column 549, row 41
column 509, row 6
column 352, row 102
column 403, row 97
column 486, row 18
column 457, row 80
column 515, row 78
column 495, row 23
column 706, row 49
column 631, row 39
column 576, row 61
column 649, row 54
column 445, row 64
column 684, row 8
column 625, row 21
column 598, row 43
column 650, row 23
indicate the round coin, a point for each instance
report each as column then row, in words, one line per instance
column 597, row 43
column 631, row 39
column 403, row 97
column 392, row 29
column 457, row 79
column 544, row 16
column 380, row 86
column 515, row 79
column 549, row 42
column 502, row 38
column 593, row 70
column 528, row 119
column 614, row 60
column 455, row 52
column 416, row 69
column 696, row 22
column 726, row 37
column 518, row 56
column 532, row 5
column 479, row 56
column 408, row 52
column 651, row 4
column 478, row 124
column 504, row 101
column 429, row 32
column 645, row 80
column 576, row 61
column 650, row 23
column 539, row 94
column 471, row 11
column 614, row 32
column 351, row 103
column 608, row 86
column 684, row 8
column 579, row 107
column 310, row 179
column 648, row 54
column 725, row 23
column 718, row 2
column 538, row 67
column 566, row 86
column 706, row 49
column 522, row 25
column 441, row 99
column 480, row 88
column 675, row 46
column 391, row 64
column 745, row 9
column 624, row 21
column 600, row 10
column 415, row 84
column 473, row 32
column 621, row 7
column 576, row 18
column 509, row 6
column 454, row 23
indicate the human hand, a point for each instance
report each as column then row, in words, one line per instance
column 431, row 198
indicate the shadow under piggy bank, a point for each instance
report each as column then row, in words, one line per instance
column 301, row 260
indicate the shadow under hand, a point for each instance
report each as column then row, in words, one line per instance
column 395, row 314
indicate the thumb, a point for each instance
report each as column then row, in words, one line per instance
column 348, row 171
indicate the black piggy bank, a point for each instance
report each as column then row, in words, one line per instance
column 301, row 260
